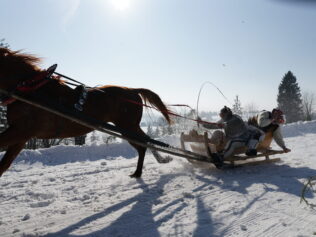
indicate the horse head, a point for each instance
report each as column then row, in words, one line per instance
column 16, row 67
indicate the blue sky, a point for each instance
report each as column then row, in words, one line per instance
column 171, row 46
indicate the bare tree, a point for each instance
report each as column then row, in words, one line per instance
column 308, row 105
column 250, row 110
column 46, row 143
column 237, row 109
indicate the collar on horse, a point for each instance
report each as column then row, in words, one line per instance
column 31, row 85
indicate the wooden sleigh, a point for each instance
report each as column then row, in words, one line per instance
column 202, row 144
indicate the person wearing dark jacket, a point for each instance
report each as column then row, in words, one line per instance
column 237, row 134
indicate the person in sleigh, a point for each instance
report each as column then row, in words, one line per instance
column 266, row 120
column 236, row 134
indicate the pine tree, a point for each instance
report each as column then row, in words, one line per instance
column 3, row 110
column 164, row 130
column 237, row 109
column 3, row 44
column 170, row 130
column 157, row 132
column 80, row 140
column 93, row 137
column 149, row 131
column 3, row 118
column 290, row 98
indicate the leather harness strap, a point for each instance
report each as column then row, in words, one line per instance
column 31, row 85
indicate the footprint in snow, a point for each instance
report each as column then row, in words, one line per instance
column 52, row 179
column 103, row 163
column 243, row 228
column 188, row 195
column 41, row 204
column 26, row 217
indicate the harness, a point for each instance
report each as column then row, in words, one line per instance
column 31, row 85
column 83, row 94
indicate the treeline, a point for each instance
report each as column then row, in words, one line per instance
column 295, row 105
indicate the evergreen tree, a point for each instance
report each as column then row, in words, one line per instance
column 164, row 130
column 93, row 137
column 170, row 130
column 3, row 44
column 290, row 98
column 3, row 118
column 80, row 140
column 237, row 109
column 3, row 110
column 150, row 131
column 157, row 132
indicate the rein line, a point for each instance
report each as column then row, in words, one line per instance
column 137, row 103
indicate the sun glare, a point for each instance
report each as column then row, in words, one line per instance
column 121, row 5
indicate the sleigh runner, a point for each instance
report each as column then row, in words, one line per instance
column 202, row 144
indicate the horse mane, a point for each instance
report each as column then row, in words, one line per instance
column 17, row 57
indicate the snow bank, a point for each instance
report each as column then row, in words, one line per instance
column 299, row 128
column 63, row 154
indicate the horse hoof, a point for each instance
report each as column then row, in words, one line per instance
column 135, row 175
column 167, row 159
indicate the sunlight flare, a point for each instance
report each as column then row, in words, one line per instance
column 121, row 5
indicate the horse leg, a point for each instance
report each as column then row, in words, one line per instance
column 10, row 155
column 141, row 155
column 14, row 135
column 14, row 139
column 160, row 159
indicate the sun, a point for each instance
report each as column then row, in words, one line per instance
column 121, row 5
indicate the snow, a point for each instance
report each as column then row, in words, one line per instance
column 86, row 191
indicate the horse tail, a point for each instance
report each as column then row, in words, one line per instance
column 154, row 100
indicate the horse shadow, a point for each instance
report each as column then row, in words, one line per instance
column 143, row 220
column 140, row 219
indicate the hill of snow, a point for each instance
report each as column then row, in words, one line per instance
column 86, row 191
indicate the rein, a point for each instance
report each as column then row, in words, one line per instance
column 137, row 103
column 29, row 86
column 43, row 78
column 34, row 84
column 172, row 113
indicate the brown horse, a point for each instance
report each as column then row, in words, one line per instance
column 107, row 104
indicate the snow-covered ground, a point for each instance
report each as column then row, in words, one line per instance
column 86, row 191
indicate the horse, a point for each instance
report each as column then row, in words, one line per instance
column 111, row 104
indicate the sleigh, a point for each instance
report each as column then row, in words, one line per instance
column 50, row 108
column 202, row 144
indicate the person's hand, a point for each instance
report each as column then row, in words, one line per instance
column 274, row 121
column 286, row 150
column 220, row 125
